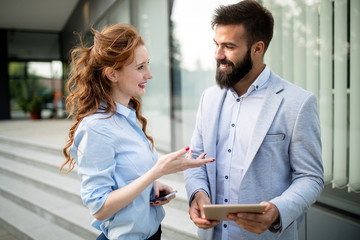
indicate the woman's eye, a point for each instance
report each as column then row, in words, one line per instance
column 141, row 67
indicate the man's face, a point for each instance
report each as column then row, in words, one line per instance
column 232, row 54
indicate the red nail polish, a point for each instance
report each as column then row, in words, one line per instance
column 156, row 202
column 204, row 154
column 213, row 160
column 151, row 203
column 156, row 196
column 187, row 148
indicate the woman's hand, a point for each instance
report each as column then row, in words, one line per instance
column 175, row 162
column 160, row 187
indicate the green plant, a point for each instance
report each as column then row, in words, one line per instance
column 31, row 104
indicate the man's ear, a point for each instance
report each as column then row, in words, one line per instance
column 111, row 74
column 259, row 47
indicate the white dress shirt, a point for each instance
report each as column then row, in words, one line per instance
column 236, row 124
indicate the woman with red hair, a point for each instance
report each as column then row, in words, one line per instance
column 116, row 158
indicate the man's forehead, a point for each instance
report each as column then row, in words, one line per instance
column 229, row 33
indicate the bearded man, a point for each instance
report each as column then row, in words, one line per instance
column 263, row 131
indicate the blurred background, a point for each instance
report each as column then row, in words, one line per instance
column 316, row 45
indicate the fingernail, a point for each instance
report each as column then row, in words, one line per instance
column 213, row 160
column 204, row 154
column 156, row 202
column 151, row 203
column 156, row 196
column 187, row 148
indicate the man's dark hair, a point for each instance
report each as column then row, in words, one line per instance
column 257, row 20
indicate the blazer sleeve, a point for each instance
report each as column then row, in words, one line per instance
column 305, row 159
column 196, row 178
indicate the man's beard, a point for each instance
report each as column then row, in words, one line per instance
column 227, row 79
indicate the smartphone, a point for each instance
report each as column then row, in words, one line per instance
column 162, row 197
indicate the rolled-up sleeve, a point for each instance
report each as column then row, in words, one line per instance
column 96, row 165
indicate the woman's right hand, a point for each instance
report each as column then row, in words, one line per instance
column 176, row 162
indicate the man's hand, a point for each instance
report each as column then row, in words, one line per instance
column 197, row 213
column 257, row 222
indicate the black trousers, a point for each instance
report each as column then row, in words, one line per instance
column 156, row 236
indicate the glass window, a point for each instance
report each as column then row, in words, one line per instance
column 316, row 46
column 30, row 81
column 151, row 20
column 33, row 46
column 193, row 64
column 118, row 13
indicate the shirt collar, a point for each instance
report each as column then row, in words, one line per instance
column 261, row 79
column 258, row 84
column 125, row 111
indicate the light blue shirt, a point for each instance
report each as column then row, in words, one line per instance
column 236, row 124
column 110, row 154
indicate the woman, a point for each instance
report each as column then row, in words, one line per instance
column 116, row 159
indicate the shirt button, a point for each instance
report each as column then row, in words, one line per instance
column 225, row 200
column 226, row 177
column 229, row 150
column 233, row 125
column 225, row 225
column 238, row 99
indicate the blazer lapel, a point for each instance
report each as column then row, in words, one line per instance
column 214, row 104
column 270, row 107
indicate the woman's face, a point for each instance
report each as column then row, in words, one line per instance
column 131, row 79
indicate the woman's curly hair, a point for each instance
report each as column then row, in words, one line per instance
column 88, row 88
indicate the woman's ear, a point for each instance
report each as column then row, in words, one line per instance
column 111, row 74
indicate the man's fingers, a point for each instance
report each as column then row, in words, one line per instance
column 268, row 205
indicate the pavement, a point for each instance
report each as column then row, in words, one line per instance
column 46, row 131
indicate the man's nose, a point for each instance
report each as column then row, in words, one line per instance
column 219, row 54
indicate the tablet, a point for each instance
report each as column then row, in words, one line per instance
column 220, row 211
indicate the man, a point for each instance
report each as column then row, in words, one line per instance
column 263, row 132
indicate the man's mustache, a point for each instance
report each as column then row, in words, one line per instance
column 225, row 62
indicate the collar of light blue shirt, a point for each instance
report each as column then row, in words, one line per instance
column 128, row 112
column 259, row 82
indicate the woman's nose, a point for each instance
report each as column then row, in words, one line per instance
column 149, row 74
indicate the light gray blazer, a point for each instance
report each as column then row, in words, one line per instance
column 284, row 155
